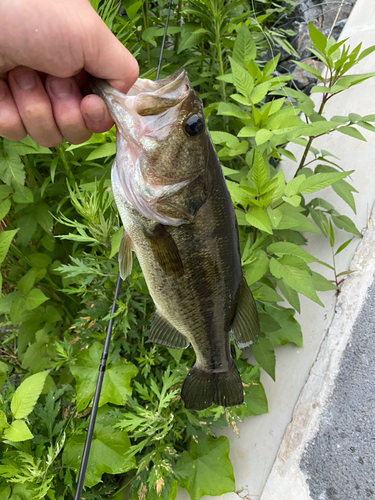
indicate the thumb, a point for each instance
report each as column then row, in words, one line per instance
column 107, row 58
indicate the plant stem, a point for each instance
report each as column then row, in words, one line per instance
column 16, row 367
column 178, row 35
column 61, row 152
column 308, row 145
column 145, row 26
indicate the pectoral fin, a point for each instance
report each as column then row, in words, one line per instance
column 125, row 256
column 163, row 333
column 165, row 251
column 245, row 327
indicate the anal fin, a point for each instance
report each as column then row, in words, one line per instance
column 125, row 256
column 245, row 327
column 163, row 333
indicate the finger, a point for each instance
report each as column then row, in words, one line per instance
column 11, row 126
column 34, row 106
column 66, row 101
column 106, row 57
column 96, row 114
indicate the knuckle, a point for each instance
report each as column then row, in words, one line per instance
column 37, row 112
column 11, row 128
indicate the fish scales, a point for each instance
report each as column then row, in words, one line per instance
column 179, row 220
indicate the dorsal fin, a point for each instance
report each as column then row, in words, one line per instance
column 163, row 333
column 125, row 256
column 245, row 327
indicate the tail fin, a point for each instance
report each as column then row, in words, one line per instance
column 203, row 388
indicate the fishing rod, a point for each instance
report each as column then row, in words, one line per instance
column 107, row 342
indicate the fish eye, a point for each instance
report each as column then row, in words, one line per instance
column 194, row 125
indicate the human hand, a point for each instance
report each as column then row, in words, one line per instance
column 47, row 50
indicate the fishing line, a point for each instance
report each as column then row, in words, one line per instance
column 103, row 359
column 267, row 38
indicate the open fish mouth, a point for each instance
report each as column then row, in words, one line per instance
column 149, row 107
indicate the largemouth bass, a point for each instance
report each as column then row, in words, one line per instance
column 178, row 218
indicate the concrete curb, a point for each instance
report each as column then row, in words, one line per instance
column 286, row 481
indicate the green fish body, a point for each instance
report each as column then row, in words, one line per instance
column 178, row 218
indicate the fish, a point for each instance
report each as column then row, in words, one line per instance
column 179, row 220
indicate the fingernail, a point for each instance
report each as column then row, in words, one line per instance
column 96, row 114
column 61, row 89
column 25, row 79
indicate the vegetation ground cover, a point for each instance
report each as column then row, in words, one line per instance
column 61, row 233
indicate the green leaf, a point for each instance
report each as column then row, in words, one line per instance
column 271, row 65
column 257, row 269
column 108, row 454
column 34, row 298
column 3, row 420
column 40, row 260
column 285, row 248
column 25, row 146
column 366, row 52
column 241, row 78
column 230, row 109
column 17, row 309
column 12, row 170
column 219, row 137
column 43, row 217
column 241, row 99
column 116, row 241
column 352, row 132
column 4, row 208
column 318, row 38
column 5, row 191
column 27, row 227
column 248, row 131
column 259, row 92
column 23, row 195
column 103, row 151
column 18, row 431
column 256, row 399
column 6, row 238
column 191, row 36
column 343, row 246
column 244, row 49
column 292, row 219
column 26, row 283
column 317, row 182
column 116, row 384
column 294, row 200
column 310, row 69
column 206, row 468
column 237, row 194
column 265, row 293
column 27, row 394
column 343, row 222
column 263, row 135
column 341, row 187
column 321, row 284
column 258, row 170
column 258, row 218
column 292, row 187
column 265, row 355
column 290, row 270
column 290, row 329
column 290, row 295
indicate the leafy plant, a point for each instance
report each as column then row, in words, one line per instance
column 61, row 233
